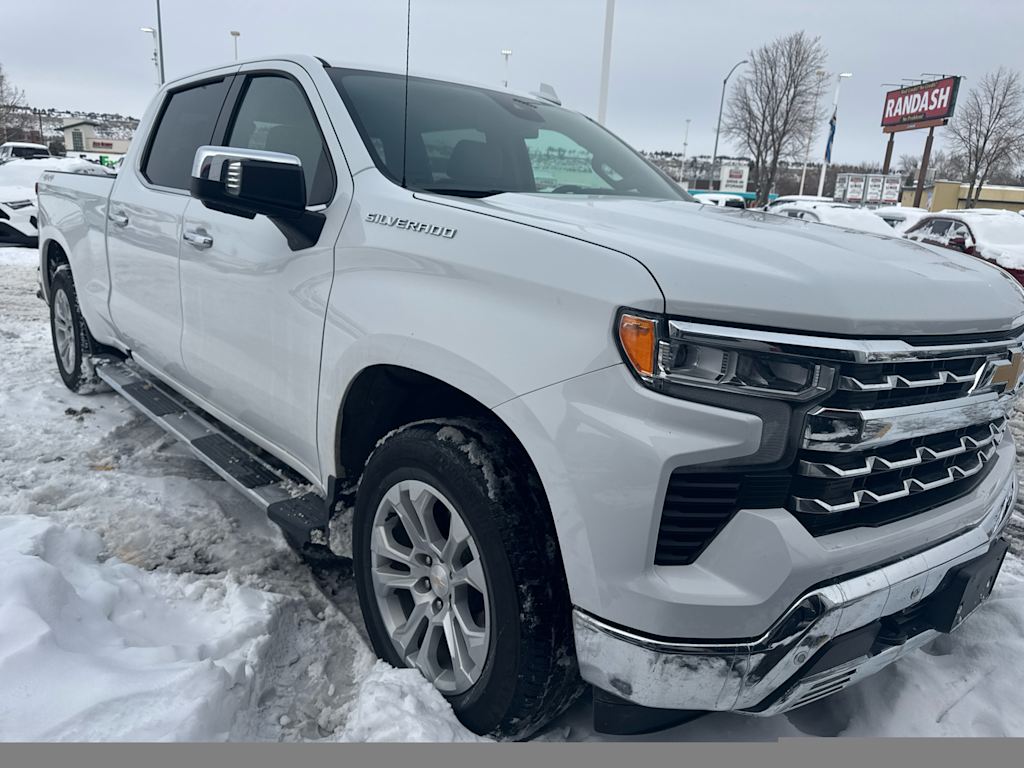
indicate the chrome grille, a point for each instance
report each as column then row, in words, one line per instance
column 902, row 434
column 906, row 426
column 825, row 486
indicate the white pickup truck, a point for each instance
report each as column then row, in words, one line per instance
column 593, row 432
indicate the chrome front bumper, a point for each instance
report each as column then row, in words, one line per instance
column 740, row 676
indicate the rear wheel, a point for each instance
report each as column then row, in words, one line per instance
column 459, row 575
column 72, row 342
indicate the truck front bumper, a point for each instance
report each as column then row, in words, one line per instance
column 831, row 637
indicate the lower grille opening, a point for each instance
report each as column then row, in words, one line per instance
column 699, row 505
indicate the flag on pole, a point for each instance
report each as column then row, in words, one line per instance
column 831, row 135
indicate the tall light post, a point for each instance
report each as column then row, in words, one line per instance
column 160, row 42
column 507, row 53
column 156, row 57
column 718, row 130
column 831, row 131
column 821, row 73
column 235, row 34
column 686, row 141
column 606, row 61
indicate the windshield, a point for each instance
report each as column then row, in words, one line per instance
column 999, row 230
column 472, row 141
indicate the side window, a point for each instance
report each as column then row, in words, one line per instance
column 959, row 229
column 559, row 161
column 186, row 123
column 939, row 229
column 275, row 116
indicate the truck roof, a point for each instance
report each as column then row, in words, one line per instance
column 314, row 62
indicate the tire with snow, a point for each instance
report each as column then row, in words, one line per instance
column 459, row 574
column 72, row 342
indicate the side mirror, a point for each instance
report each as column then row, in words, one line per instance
column 247, row 182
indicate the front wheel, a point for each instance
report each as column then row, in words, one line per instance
column 72, row 342
column 459, row 575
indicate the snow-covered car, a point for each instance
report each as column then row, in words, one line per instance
column 992, row 234
column 13, row 150
column 900, row 217
column 721, row 199
column 788, row 199
column 836, row 214
column 18, row 225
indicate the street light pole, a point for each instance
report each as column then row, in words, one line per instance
column 234, row 34
column 831, row 132
column 159, row 43
column 156, row 57
column 810, row 136
column 686, row 141
column 718, row 130
column 507, row 53
column 606, row 61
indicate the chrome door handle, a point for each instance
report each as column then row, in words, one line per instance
column 119, row 219
column 197, row 239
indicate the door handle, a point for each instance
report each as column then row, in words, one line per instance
column 119, row 219
column 197, row 239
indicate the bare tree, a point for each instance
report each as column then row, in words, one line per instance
column 988, row 129
column 12, row 102
column 772, row 103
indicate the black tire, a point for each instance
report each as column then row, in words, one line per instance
column 530, row 675
column 77, row 373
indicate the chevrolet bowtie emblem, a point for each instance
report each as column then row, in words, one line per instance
column 1000, row 375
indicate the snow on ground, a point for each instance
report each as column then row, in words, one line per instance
column 141, row 598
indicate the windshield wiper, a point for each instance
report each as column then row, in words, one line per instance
column 456, row 192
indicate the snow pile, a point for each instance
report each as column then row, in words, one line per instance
column 93, row 650
column 400, row 705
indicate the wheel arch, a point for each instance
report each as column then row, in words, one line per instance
column 383, row 397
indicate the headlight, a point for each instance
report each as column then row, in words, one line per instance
column 663, row 353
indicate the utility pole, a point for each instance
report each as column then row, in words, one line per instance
column 832, row 132
column 718, row 130
column 234, row 34
column 810, row 134
column 606, row 61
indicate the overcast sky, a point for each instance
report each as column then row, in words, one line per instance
column 668, row 60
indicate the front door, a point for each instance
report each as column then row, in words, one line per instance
column 253, row 308
column 144, row 220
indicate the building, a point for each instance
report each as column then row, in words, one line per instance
column 944, row 195
column 84, row 136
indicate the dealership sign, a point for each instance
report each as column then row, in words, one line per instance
column 733, row 178
column 920, row 106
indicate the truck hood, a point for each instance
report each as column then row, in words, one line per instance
column 760, row 269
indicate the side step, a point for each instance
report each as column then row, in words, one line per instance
column 291, row 503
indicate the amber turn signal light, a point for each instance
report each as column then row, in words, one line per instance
column 638, row 338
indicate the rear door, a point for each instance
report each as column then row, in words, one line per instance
column 254, row 309
column 144, row 220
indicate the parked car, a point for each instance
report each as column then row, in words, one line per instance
column 787, row 199
column 721, row 199
column 13, row 150
column 899, row 217
column 697, row 460
column 992, row 234
column 18, row 195
column 836, row 214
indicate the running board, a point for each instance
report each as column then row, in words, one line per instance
column 301, row 513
